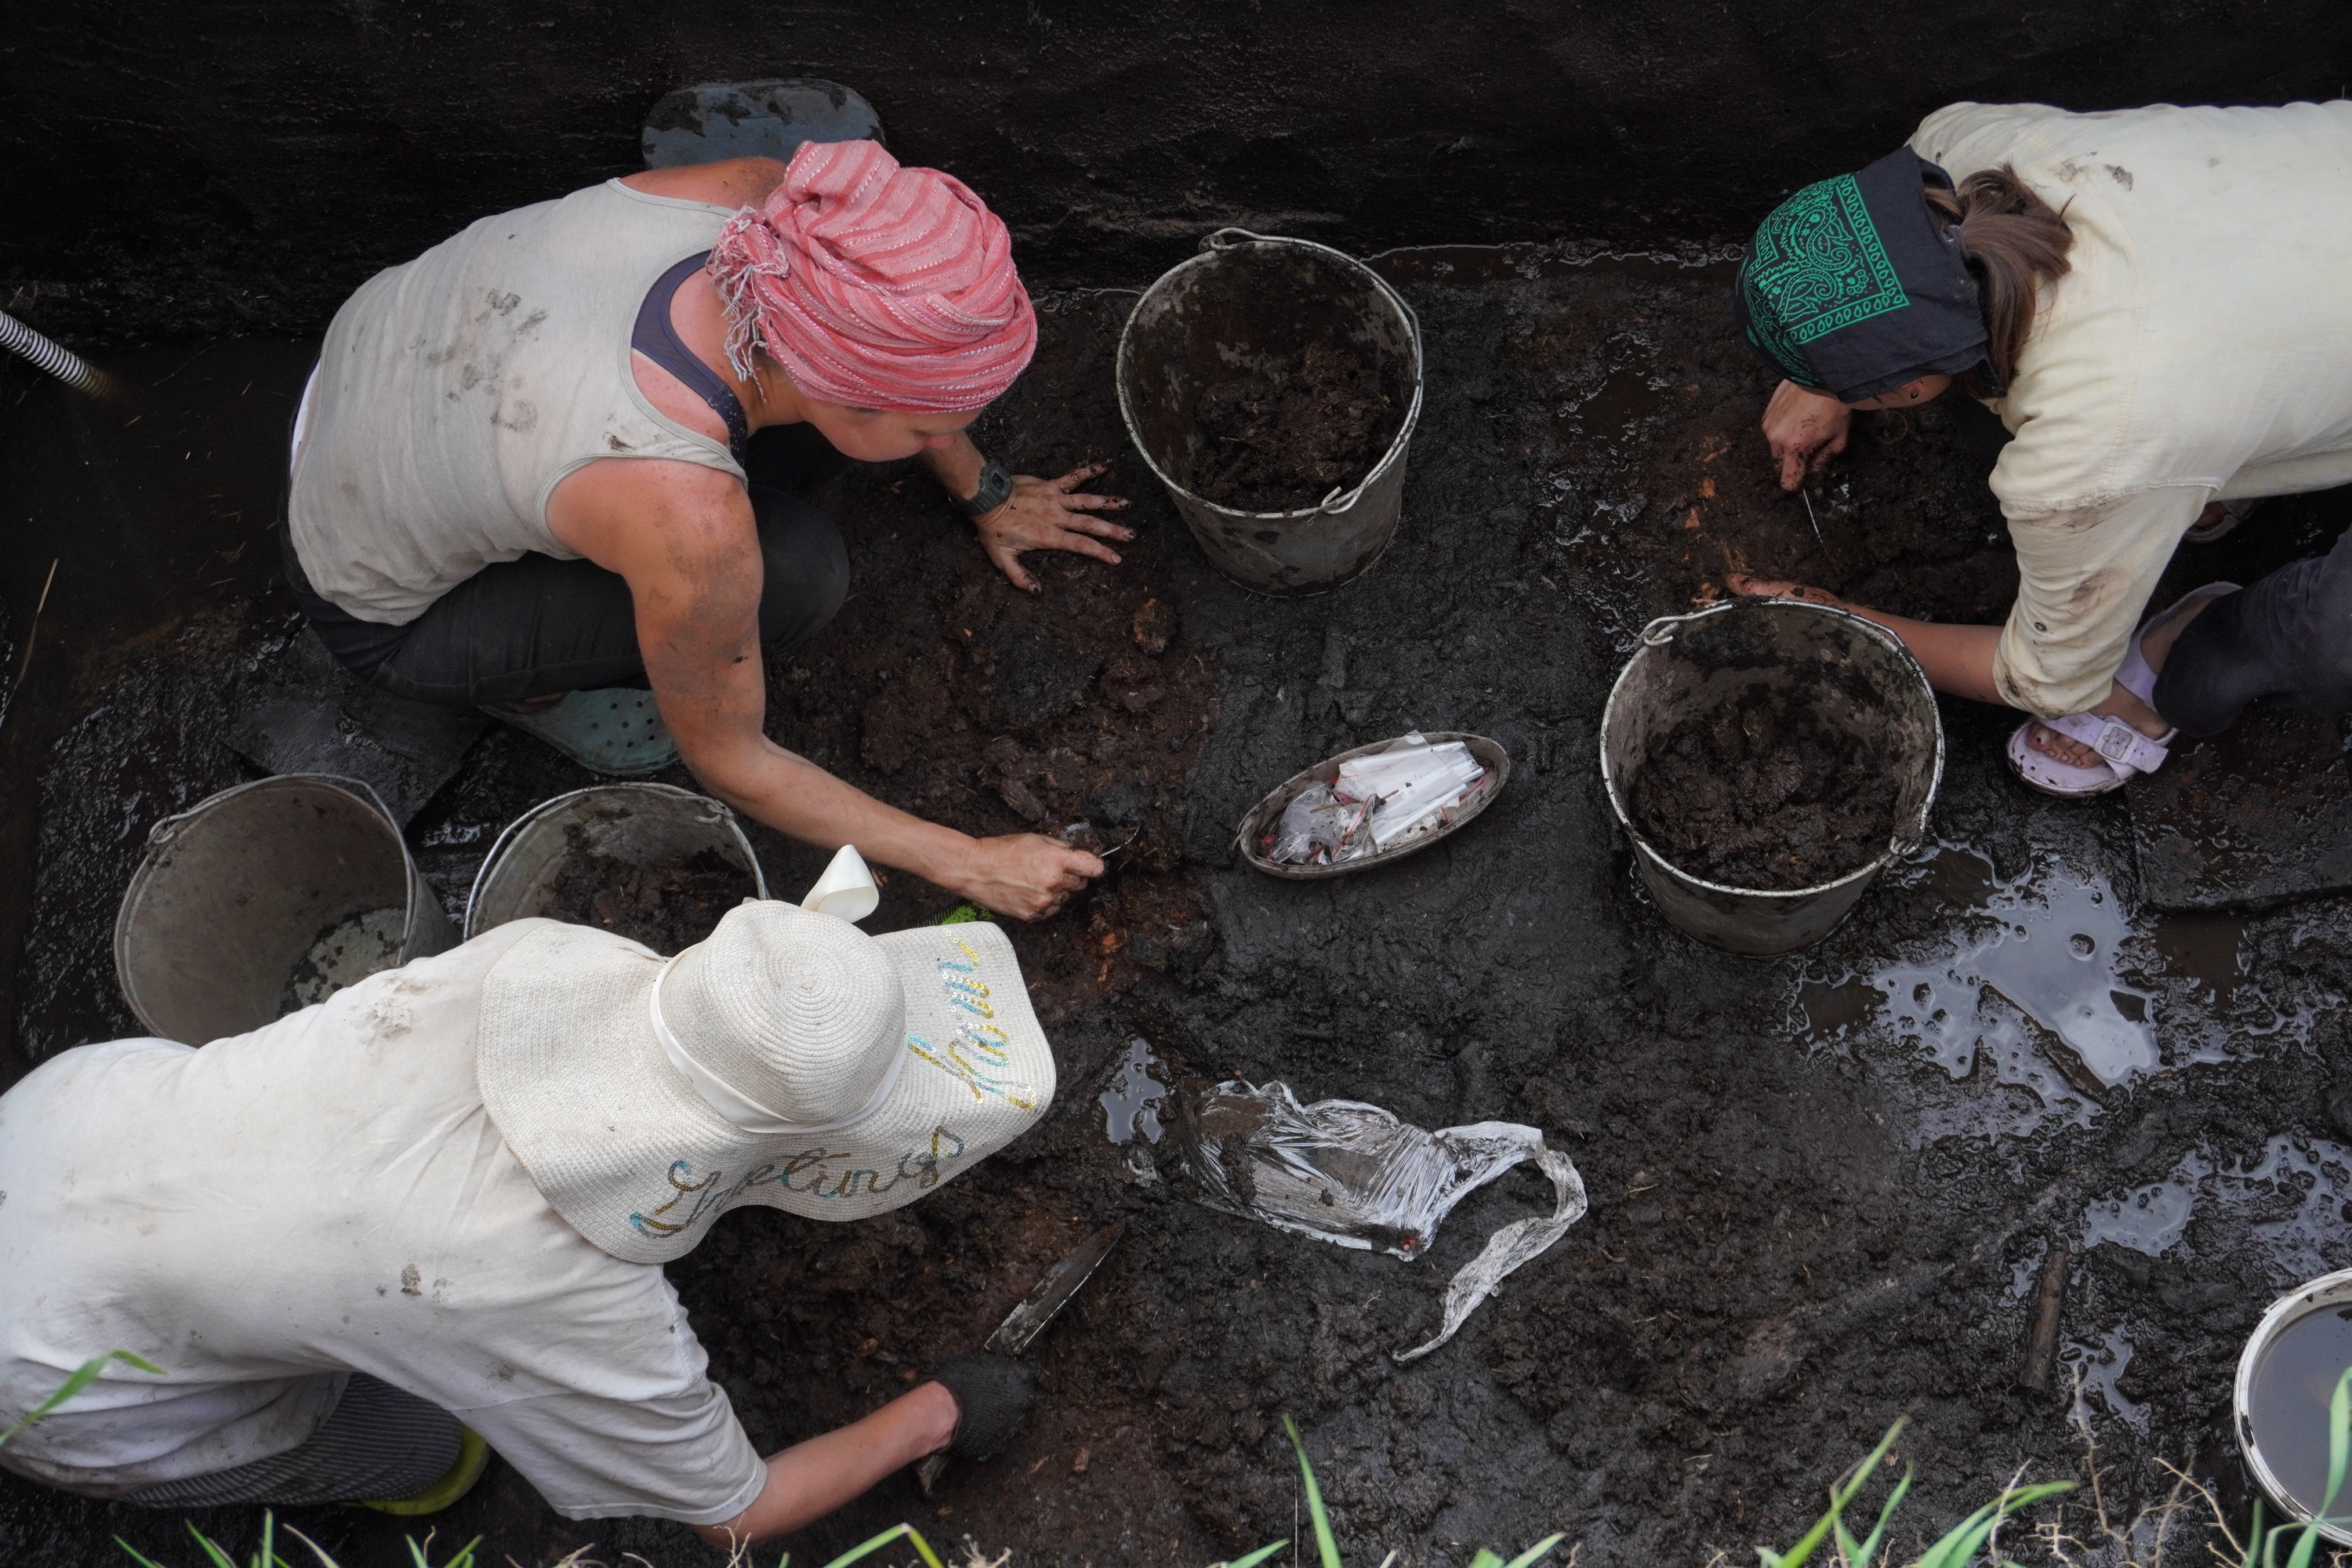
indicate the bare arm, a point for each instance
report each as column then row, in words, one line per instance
column 684, row 538
column 809, row 1481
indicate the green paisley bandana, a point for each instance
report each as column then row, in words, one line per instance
column 1853, row 286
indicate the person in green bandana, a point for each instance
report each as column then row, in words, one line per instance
column 2095, row 281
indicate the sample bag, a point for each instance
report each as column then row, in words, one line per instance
column 1352, row 1173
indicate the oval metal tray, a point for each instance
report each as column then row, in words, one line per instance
column 1489, row 753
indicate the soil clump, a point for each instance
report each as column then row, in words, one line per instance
column 1285, row 438
column 1762, row 794
column 669, row 905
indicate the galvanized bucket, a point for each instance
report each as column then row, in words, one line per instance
column 637, row 824
column 2328, row 1293
column 1254, row 295
column 1867, row 683
column 265, row 898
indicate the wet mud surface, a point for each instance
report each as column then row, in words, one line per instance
column 1821, row 1186
column 668, row 905
column 1762, row 792
column 1295, row 430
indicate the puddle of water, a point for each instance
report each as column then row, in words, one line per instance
column 2315, row 1175
column 2288, row 1403
column 2097, row 1365
column 1131, row 1104
column 2300, row 1187
column 2050, row 946
column 2146, row 1219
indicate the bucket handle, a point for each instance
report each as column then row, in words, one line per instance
column 1659, row 632
column 1225, row 239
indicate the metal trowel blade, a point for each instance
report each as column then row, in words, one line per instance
column 1052, row 1293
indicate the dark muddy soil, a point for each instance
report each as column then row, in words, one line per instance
column 669, row 905
column 1294, row 431
column 1805, row 1221
column 1762, row 792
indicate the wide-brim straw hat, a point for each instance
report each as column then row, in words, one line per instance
column 789, row 1059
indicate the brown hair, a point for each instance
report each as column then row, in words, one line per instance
column 2013, row 241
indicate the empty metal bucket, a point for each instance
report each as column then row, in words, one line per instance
column 265, row 898
column 637, row 824
column 1864, row 681
column 1246, row 297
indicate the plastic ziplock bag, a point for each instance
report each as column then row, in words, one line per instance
column 1352, row 1173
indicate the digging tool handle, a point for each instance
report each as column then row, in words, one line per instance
column 2042, row 1344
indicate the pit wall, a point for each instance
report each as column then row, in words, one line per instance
column 171, row 170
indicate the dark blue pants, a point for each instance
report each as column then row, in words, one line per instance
column 536, row 625
column 2287, row 638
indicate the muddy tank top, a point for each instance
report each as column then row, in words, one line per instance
column 456, row 391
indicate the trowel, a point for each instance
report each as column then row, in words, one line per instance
column 1028, row 1318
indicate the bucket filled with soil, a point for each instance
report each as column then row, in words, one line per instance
column 1768, row 758
column 656, row 864
column 265, row 898
column 2286, row 1381
column 1273, row 386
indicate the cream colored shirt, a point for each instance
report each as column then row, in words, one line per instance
column 456, row 391
column 265, row 1215
column 2201, row 345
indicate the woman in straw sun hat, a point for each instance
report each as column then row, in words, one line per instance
column 427, row 1217
column 560, row 468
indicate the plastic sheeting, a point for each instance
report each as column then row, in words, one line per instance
column 1375, row 801
column 1352, row 1173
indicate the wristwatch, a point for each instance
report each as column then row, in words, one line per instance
column 995, row 485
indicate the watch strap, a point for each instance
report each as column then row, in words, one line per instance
column 995, row 485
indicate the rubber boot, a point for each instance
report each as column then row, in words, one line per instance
column 766, row 119
column 617, row 731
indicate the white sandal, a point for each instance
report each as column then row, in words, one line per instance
column 2122, row 749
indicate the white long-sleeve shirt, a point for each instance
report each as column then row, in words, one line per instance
column 2201, row 345
column 326, row 1196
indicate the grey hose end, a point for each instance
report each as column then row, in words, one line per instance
column 58, row 361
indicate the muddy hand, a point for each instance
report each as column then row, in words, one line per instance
column 1051, row 514
column 1806, row 429
column 1026, row 875
column 1748, row 587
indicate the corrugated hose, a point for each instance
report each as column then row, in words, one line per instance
column 62, row 362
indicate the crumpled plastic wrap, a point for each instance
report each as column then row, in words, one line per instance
column 1352, row 1173
column 1375, row 801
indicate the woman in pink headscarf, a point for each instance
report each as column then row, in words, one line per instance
column 559, row 468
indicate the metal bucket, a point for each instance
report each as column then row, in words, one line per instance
column 1866, row 682
column 1254, row 295
column 637, row 824
column 266, row 898
column 2328, row 1293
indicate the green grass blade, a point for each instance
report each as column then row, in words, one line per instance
column 866, row 1549
column 1537, row 1552
column 1843, row 1493
column 1260, row 1555
column 1326, row 1546
column 1868, row 1552
column 81, row 1378
column 1959, row 1548
column 2339, row 1446
column 136, row 1555
column 219, row 1558
column 1487, row 1558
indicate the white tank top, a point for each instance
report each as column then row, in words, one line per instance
column 454, row 392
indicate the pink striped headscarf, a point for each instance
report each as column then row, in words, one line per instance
column 875, row 285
